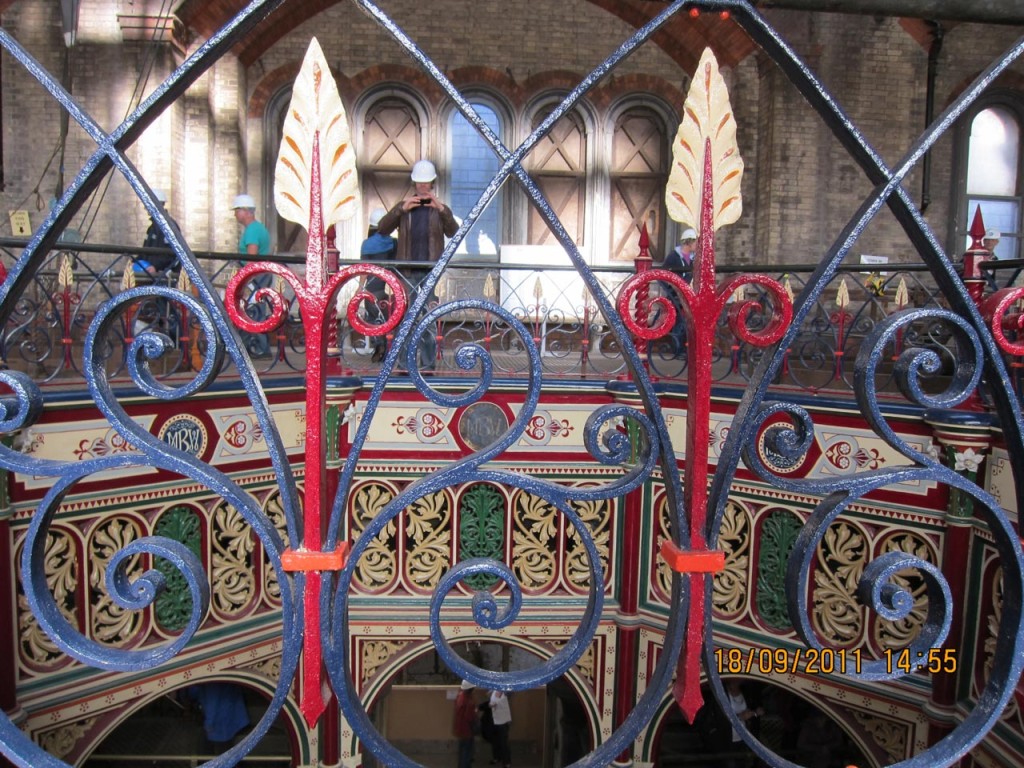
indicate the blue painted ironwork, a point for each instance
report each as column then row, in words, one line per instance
column 577, row 343
column 975, row 353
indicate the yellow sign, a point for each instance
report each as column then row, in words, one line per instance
column 21, row 226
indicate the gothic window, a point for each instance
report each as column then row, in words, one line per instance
column 472, row 165
column 994, row 173
column 392, row 141
column 638, row 174
column 558, row 165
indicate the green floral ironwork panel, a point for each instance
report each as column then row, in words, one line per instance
column 174, row 604
column 482, row 529
column 778, row 534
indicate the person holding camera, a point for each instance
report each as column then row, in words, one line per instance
column 423, row 222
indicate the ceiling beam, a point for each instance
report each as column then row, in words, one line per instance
column 981, row 11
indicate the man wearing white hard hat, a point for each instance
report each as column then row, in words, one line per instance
column 254, row 241
column 376, row 247
column 682, row 255
column 991, row 240
column 423, row 222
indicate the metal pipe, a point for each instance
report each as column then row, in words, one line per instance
column 929, row 109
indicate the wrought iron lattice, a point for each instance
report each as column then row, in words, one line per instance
column 315, row 595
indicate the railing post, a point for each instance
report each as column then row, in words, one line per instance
column 975, row 284
column 627, row 643
column 340, row 398
column 66, row 298
column 964, row 438
column 840, row 319
column 333, row 360
column 973, row 257
column 8, row 652
column 642, row 263
column 585, row 334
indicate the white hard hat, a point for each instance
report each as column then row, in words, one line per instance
column 466, row 685
column 992, row 234
column 688, row 234
column 423, row 171
column 243, row 201
column 376, row 215
column 159, row 195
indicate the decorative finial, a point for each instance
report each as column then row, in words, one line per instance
column 708, row 124
column 316, row 107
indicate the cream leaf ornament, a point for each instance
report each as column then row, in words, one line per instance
column 316, row 111
column 708, row 123
column 66, row 273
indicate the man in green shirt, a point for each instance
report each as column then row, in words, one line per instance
column 254, row 241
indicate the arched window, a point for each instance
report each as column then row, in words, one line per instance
column 472, row 165
column 638, row 175
column 994, row 177
column 392, row 141
column 559, row 165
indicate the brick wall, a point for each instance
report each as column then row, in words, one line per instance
column 801, row 186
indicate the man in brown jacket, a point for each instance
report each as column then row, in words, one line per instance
column 423, row 222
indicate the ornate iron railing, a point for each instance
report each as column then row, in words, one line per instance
column 46, row 333
column 316, row 572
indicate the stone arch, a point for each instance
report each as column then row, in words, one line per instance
column 651, row 737
column 387, row 672
column 296, row 731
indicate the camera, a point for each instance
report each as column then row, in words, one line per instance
column 424, row 201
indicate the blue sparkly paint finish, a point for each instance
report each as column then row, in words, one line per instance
column 978, row 355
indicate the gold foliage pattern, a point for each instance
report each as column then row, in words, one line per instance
column 992, row 625
column 275, row 512
column 662, row 574
column 899, row 634
column 60, row 741
column 62, row 580
column 586, row 665
column 890, row 736
column 232, row 574
column 110, row 623
column 376, row 653
column 379, row 565
column 428, row 539
column 596, row 515
column 841, row 559
column 729, row 590
column 534, row 537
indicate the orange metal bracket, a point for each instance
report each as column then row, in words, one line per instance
column 682, row 561
column 308, row 560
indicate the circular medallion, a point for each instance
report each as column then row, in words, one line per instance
column 186, row 433
column 482, row 424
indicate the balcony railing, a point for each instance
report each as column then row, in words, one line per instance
column 44, row 337
column 58, row 311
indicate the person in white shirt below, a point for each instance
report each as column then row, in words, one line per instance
column 739, row 706
column 502, row 722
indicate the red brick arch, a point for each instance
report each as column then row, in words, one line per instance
column 618, row 87
column 501, row 83
column 1008, row 81
column 682, row 38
